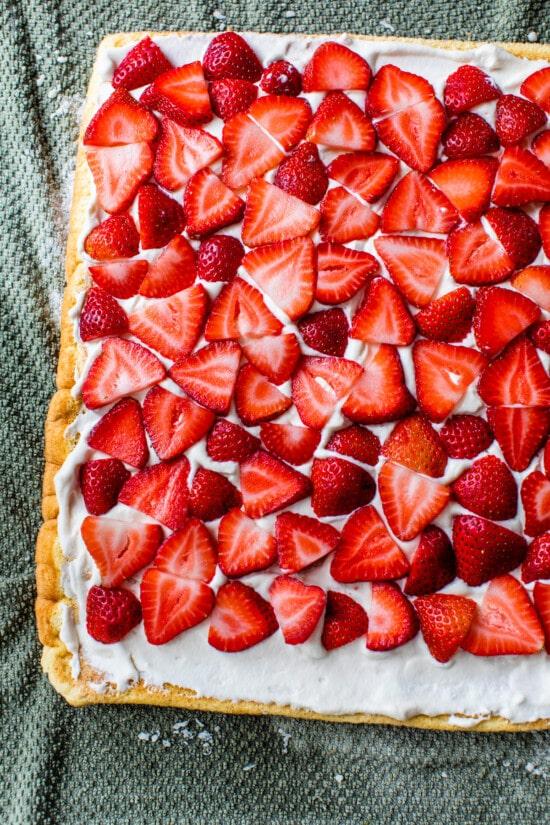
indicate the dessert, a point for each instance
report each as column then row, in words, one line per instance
column 298, row 460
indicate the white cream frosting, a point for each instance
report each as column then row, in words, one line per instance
column 401, row 683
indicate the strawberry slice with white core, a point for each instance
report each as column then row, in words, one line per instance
column 500, row 316
column 517, row 232
column 209, row 204
column 185, row 87
column 476, row 258
column 415, row 264
column 344, row 218
column 382, row 316
column 443, row 373
column 534, row 281
column 302, row 540
column 172, row 326
column 249, row 152
column 414, row 133
column 174, row 423
column 393, row 90
column 209, row 374
column 172, row 271
column 536, row 87
column 521, row 178
column 273, row 215
column 120, row 120
column 160, row 491
column 243, row 547
column 516, row 377
column 256, row 399
column 182, row 151
column 392, row 618
column 239, row 311
column 189, row 553
column 367, row 552
column 275, row 356
column 268, row 484
column 541, row 146
column 172, row 604
column 298, row 607
column 467, row 184
column 381, row 394
column 121, row 279
column 290, row 442
column 416, row 204
column 122, row 368
column 284, row 118
column 410, row 501
column 334, row 66
column 120, row 433
column 339, row 123
column 367, row 174
column 319, row 384
column 118, row 172
column 119, row 548
column 241, row 618
column 535, row 497
column 341, row 272
column 520, row 432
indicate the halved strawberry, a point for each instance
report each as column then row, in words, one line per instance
column 345, row 621
column 448, row 318
column 250, row 152
column 159, row 103
column 326, row 331
column 174, row 423
column 393, row 90
column 541, row 597
column 140, row 65
column 413, row 134
column 284, row 118
column 536, row 564
column 229, row 442
column 118, row 172
column 209, row 374
column 484, row 549
column 339, row 123
column 517, row 232
column 160, row 491
column 334, row 66
column 212, row 495
column 185, row 88
column 302, row 174
column 268, row 484
column 111, row 613
column 272, row 215
column 520, row 432
column 281, row 78
column 241, row 618
column 516, row 377
column 302, row 540
column 319, row 384
column 121, row 279
column 382, row 317
column 443, row 373
column 467, row 184
column 541, row 146
column 544, row 226
column 243, row 547
column 465, row 436
column 339, row 486
column 209, row 204
column 120, row 120
column 540, row 336
column 172, row 326
column 289, row 442
column 521, row 178
column 160, row 217
column 515, row 118
column 537, row 88
column 121, row 368
column 433, row 563
column 344, row 218
column 239, row 311
column 410, row 501
column 468, row 86
column 415, row 264
column 285, row 271
column 367, row 552
column 275, row 356
column 357, row 442
column 172, row 271
column 380, row 394
column 172, row 604
column 415, row 203
column 414, row 443
column 189, row 553
column 229, row 96
column 120, row 433
column 298, row 607
column 219, row 258
column 500, row 316
column 100, row 483
column 476, row 258
column 505, row 622
column 392, row 618
column 341, row 272
column 115, row 237
column 182, row 151
column 469, row 136
column 535, row 497
column 367, row 174
column 229, row 55
column 445, row 620
column 256, row 399
column 487, row 488
column 101, row 316
column 119, row 548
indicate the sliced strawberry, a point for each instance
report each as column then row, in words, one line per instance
column 298, row 607
column 118, row 172
column 101, row 316
column 302, row 174
column 345, row 621
column 467, row 184
column 120, row 433
column 516, row 377
column 445, row 620
column 414, row 443
column 344, row 218
column 275, row 356
column 416, row 204
column 182, row 151
column 476, row 258
column 111, row 613
column 341, row 272
column 468, row 86
column 172, row 604
column 469, row 136
column 160, row 217
column 339, row 487
column 172, row 271
column 303, row 540
column 367, row 174
column 118, row 548
column 281, row 78
column 488, row 489
column 229, row 442
column 285, row 271
column 189, row 553
column 517, row 232
column 289, row 442
column 433, row 563
column 339, row 123
column 520, row 432
column 465, row 436
column 380, row 394
column 122, row 368
column 160, row 491
column 382, row 317
column 541, row 146
column 140, row 65
column 535, row 497
column 393, row 90
column 115, row 237
column 500, row 316
column 367, row 552
column 209, row 204
column 410, row 501
column 219, row 258
column 414, row 133
column 209, row 374
column 186, row 89
column 272, row 215
column 536, row 564
column 326, row 331
column 120, row 120
column 241, row 618
column 172, row 326
column 100, row 483
column 229, row 55
column 156, row 101
column 239, row 311
column 392, row 618
column 540, row 336
column 515, row 118
column 443, row 373
column 212, row 495
column 314, row 400
column 521, row 178
column 537, row 88
column 541, row 596
column 544, row 226
column 121, row 279
column 357, row 442
column 484, row 550
column 256, row 399
column 268, row 484
column 415, row 264
column 505, row 622
column 334, row 66
column 230, row 96
column 250, row 152
column 243, row 547
column 448, row 318
column 174, row 423
column 284, row 118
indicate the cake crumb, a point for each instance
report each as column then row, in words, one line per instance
column 532, row 37
column 386, row 24
column 285, row 736
column 338, row 778
column 289, row 13
column 249, row 766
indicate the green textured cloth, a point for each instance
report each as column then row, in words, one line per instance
column 147, row 766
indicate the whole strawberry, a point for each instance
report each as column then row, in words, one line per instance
column 468, row 137
column 229, row 55
column 281, row 78
column 111, row 613
column 302, row 174
column 219, row 258
column 488, row 489
column 229, row 96
column 101, row 315
column 516, row 118
column 100, row 482
column 465, row 436
column 484, row 550
column 326, row 331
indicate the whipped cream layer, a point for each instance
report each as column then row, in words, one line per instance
column 401, row 683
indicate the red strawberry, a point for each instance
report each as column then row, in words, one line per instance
column 241, row 618
column 272, row 215
column 160, row 217
column 500, row 316
column 315, row 401
column 367, row 174
column 121, row 279
column 345, row 621
column 339, row 123
column 367, row 552
column 521, row 178
column 541, row 146
column 339, row 486
column 520, row 432
column 281, row 78
column 212, row 495
column 189, row 553
column 185, row 89
column 488, row 489
column 380, row 394
column 120, row 433
column 243, row 547
column 432, row 565
column 231, row 96
column 382, row 317
column 173, row 325
column 393, row 90
column 122, row 368
column 298, row 608
column 156, row 101
column 392, row 618
column 209, row 374
column 160, row 491
column 325, row 331
column 476, row 258
column 414, row 133
column 535, row 497
column 302, row 174
column 541, row 596
column 484, row 550
column 100, row 483
column 516, row 118
column 119, row 548
column 115, row 237
column 357, row 442
column 118, row 172
column 268, row 484
column 540, row 336
column 516, row 377
column 341, row 272
column 111, row 613
column 285, row 119
column 467, row 183
column 229, row 442
column 448, row 318
column 101, row 316
column 172, row 604
column 256, row 399
column 517, row 232
column 275, row 356
column 289, row 442
column 444, row 621
column 120, row 120
column 505, row 622
column 182, row 151
column 140, row 65
column 172, row 271
column 544, row 226
column 536, row 564
column 468, row 86
column 219, row 258
column 174, row 423
column 410, row 501
column 229, row 55
column 415, row 203
column 285, row 271
column 416, row 264
column 414, row 443
column 468, row 137
column 465, row 436
column 334, row 66
column 443, row 373
column 209, row 204
column 249, row 152
column 302, row 540
column 239, row 311
column 344, row 218
column 537, row 88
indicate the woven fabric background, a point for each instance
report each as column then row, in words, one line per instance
column 147, row 766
